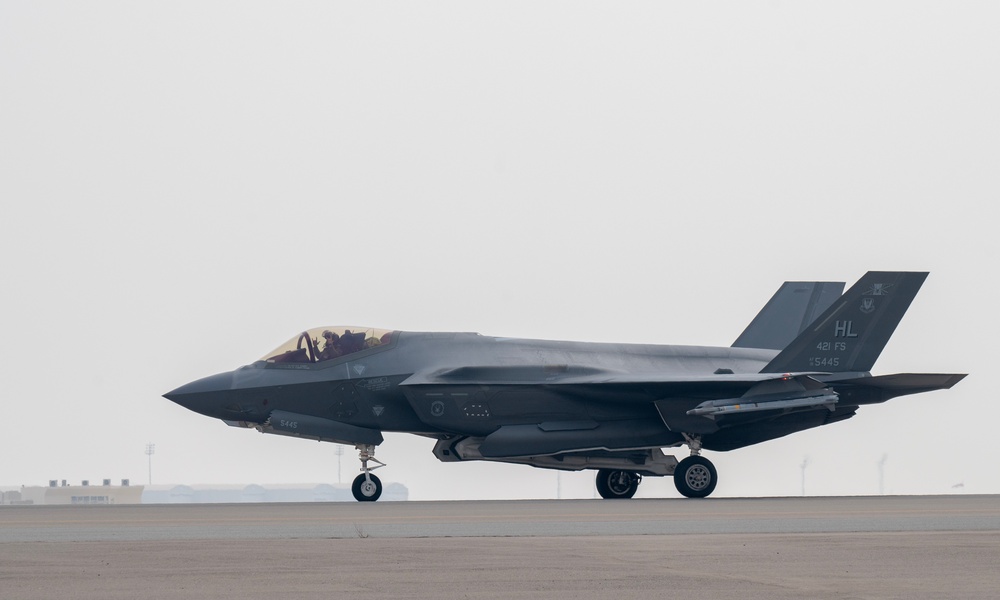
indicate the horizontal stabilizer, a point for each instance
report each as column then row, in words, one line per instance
column 902, row 384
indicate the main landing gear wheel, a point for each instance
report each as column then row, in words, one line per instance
column 695, row 477
column 366, row 488
column 613, row 483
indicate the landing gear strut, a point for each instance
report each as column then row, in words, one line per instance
column 367, row 487
column 615, row 483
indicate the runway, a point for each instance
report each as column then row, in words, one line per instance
column 859, row 547
column 552, row 518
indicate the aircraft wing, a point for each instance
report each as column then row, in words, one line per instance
column 728, row 411
column 712, row 396
column 572, row 375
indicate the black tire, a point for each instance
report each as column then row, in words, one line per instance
column 615, row 483
column 695, row 477
column 365, row 492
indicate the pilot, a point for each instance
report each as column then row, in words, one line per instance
column 331, row 347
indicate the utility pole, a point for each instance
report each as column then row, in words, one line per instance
column 150, row 449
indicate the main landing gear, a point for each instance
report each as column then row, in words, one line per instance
column 694, row 477
column 613, row 483
column 367, row 487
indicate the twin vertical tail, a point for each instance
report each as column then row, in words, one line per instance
column 850, row 335
column 793, row 307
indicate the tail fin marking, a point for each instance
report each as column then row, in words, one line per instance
column 850, row 335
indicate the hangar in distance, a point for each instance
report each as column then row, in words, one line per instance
column 803, row 362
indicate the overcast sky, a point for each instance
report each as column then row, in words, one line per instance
column 186, row 185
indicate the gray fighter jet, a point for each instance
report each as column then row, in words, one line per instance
column 802, row 363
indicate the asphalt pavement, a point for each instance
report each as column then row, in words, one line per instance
column 858, row 547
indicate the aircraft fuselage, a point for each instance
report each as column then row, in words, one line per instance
column 487, row 382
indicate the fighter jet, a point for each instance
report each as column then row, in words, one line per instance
column 804, row 362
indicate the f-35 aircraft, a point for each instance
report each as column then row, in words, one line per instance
column 804, row 362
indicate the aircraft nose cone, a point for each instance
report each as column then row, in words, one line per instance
column 203, row 395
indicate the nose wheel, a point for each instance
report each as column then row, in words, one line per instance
column 367, row 487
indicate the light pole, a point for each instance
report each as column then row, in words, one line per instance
column 805, row 463
column 150, row 449
column 340, row 452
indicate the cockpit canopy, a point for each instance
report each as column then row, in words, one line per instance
column 327, row 343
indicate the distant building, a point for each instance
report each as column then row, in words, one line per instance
column 81, row 494
column 193, row 494
column 10, row 497
column 209, row 494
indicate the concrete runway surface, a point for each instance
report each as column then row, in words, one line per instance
column 858, row 547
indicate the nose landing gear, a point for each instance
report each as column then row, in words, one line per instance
column 367, row 487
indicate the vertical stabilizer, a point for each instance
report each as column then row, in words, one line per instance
column 790, row 310
column 850, row 335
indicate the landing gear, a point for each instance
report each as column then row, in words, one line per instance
column 695, row 477
column 614, row 483
column 367, row 487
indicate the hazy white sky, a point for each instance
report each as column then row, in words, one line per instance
column 186, row 185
